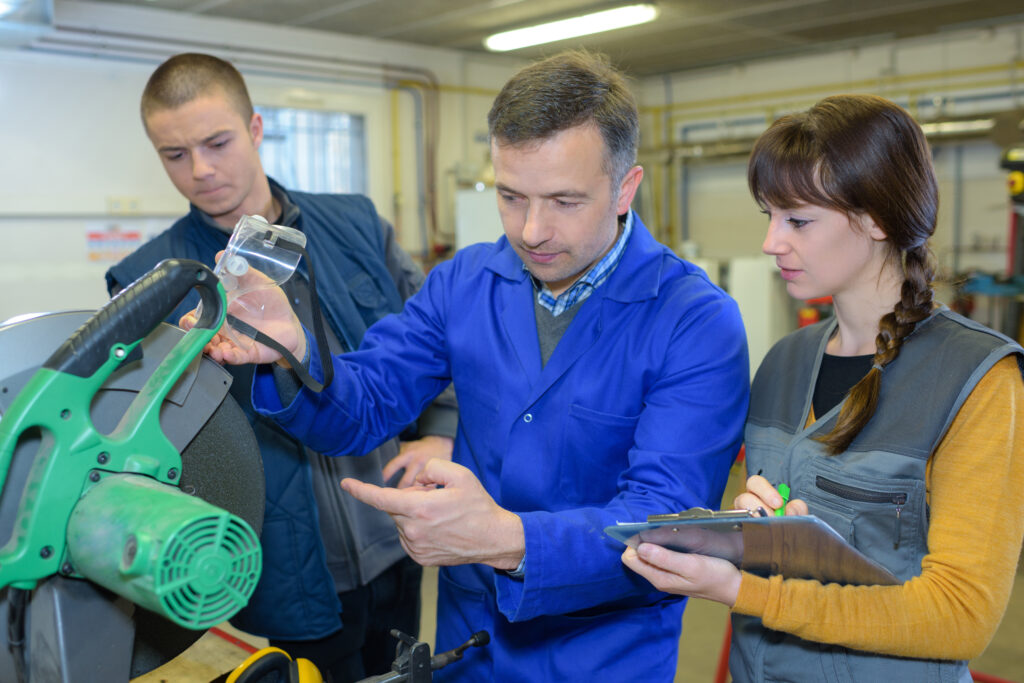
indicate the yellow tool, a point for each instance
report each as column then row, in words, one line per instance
column 274, row 664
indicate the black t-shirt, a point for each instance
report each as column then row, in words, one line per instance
column 836, row 377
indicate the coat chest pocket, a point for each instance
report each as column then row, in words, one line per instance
column 480, row 411
column 595, row 452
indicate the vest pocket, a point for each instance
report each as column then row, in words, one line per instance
column 838, row 516
column 365, row 292
column 895, row 498
column 880, row 516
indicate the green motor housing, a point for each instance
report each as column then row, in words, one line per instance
column 174, row 554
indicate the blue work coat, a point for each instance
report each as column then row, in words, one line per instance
column 638, row 411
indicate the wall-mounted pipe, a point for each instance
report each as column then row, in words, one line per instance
column 958, row 206
column 729, row 146
column 941, row 81
column 670, row 216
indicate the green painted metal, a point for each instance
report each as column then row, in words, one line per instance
column 172, row 553
column 73, row 457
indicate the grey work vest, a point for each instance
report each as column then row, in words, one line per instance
column 873, row 494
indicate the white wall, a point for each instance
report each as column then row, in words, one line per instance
column 77, row 160
column 72, row 141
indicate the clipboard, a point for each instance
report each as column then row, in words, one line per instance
column 795, row 546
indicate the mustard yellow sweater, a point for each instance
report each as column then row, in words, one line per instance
column 975, row 482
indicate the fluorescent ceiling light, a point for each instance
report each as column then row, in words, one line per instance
column 6, row 8
column 958, row 127
column 620, row 17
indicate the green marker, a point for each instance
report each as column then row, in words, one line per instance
column 784, row 492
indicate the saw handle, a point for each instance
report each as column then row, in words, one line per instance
column 135, row 311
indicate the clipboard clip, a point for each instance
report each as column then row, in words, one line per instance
column 704, row 513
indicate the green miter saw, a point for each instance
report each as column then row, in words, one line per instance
column 97, row 483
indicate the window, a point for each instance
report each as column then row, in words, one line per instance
column 314, row 151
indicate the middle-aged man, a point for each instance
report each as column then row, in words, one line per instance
column 600, row 378
column 335, row 578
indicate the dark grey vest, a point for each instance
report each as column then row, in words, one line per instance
column 873, row 494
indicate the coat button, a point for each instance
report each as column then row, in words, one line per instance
column 528, row 417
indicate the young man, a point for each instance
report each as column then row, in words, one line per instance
column 600, row 378
column 335, row 579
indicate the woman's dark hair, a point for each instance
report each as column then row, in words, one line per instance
column 864, row 156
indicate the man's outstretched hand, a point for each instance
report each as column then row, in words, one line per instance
column 448, row 518
column 263, row 305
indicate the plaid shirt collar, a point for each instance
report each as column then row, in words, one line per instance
column 590, row 281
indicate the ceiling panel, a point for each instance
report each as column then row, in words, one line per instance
column 688, row 34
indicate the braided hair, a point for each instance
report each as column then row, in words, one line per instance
column 864, row 156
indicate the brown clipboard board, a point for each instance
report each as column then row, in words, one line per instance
column 795, row 546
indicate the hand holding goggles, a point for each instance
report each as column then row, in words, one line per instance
column 260, row 256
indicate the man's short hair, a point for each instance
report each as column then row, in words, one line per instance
column 564, row 91
column 184, row 77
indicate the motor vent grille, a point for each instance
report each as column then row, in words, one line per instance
column 208, row 570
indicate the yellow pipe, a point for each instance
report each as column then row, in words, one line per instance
column 673, row 230
column 913, row 95
column 871, row 84
column 396, row 167
column 441, row 87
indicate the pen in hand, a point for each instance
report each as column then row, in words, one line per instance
column 784, row 492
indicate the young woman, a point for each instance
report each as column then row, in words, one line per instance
column 895, row 421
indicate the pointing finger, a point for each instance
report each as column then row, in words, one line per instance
column 389, row 500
